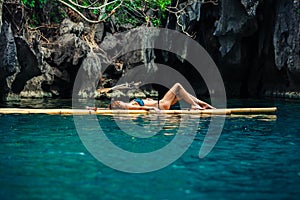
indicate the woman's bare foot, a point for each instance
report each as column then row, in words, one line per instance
column 205, row 105
column 197, row 107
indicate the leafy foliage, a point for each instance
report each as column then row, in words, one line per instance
column 133, row 12
column 33, row 3
column 137, row 12
column 43, row 12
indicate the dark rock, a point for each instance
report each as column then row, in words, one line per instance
column 51, row 70
column 71, row 49
column 13, row 13
column 234, row 24
column 191, row 13
column 250, row 6
column 99, row 33
column 34, row 87
column 88, row 76
column 8, row 58
column 67, row 26
column 1, row 4
column 67, row 58
column 255, row 44
column 286, row 40
column 29, row 65
column 285, row 95
column 34, row 71
column 117, row 46
column 114, row 44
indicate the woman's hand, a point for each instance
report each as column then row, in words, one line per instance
column 197, row 107
column 156, row 109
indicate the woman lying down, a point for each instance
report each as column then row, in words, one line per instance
column 176, row 93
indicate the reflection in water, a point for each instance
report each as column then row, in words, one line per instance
column 37, row 103
column 152, row 129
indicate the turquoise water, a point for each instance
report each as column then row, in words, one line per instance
column 42, row 157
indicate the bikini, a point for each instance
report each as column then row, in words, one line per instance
column 141, row 102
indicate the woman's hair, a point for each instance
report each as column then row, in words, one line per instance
column 115, row 105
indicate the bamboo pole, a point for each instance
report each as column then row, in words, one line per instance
column 227, row 111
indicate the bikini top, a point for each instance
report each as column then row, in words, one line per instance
column 139, row 101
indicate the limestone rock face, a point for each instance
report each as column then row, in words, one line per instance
column 234, row 24
column 254, row 43
column 8, row 57
column 286, row 40
column 260, row 41
column 29, row 66
column 47, row 71
column 1, row 4
column 7, row 51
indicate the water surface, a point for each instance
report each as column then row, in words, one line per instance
column 42, row 157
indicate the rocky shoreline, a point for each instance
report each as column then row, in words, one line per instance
column 254, row 43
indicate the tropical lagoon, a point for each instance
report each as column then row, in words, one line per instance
column 106, row 58
column 256, row 157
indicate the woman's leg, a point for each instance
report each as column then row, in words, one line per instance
column 202, row 103
column 176, row 93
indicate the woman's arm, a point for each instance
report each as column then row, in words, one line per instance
column 129, row 106
column 138, row 107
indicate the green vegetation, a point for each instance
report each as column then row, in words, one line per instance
column 29, row 3
column 43, row 12
column 133, row 12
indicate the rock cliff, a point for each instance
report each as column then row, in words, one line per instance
column 254, row 43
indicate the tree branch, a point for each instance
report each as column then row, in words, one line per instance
column 89, row 20
column 92, row 8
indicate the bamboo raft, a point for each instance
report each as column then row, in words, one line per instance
column 227, row 111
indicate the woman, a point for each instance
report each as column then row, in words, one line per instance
column 176, row 93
